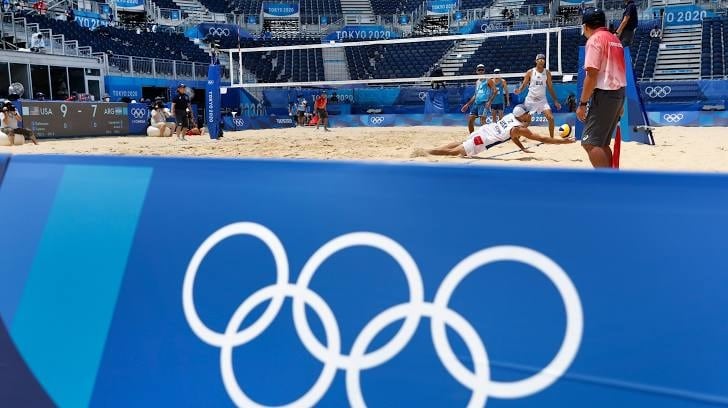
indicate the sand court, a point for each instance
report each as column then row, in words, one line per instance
column 703, row 149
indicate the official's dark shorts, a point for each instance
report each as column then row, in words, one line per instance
column 181, row 118
column 322, row 113
column 496, row 106
column 626, row 37
column 604, row 112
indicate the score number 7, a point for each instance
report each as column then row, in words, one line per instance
column 64, row 110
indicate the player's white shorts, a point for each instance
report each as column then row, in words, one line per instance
column 478, row 143
column 538, row 106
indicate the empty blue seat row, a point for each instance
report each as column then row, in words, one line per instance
column 475, row 4
column 714, row 63
column 389, row 7
column 394, row 60
column 167, row 4
column 517, row 53
column 116, row 41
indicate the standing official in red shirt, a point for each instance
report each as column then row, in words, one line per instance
column 320, row 106
column 603, row 88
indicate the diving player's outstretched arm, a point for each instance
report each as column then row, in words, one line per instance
column 517, row 132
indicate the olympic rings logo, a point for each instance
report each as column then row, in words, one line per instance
column 658, row 91
column 411, row 312
column 376, row 120
column 219, row 32
column 139, row 113
column 239, row 122
column 422, row 96
column 673, row 117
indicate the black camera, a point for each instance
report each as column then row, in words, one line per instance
column 8, row 107
column 157, row 104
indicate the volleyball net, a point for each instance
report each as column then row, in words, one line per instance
column 396, row 62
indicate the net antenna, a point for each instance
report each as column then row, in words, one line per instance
column 396, row 61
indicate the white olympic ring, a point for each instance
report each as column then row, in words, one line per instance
column 219, row 31
column 673, row 117
column 239, row 122
column 422, row 96
column 411, row 312
column 658, row 91
column 138, row 113
column 376, row 120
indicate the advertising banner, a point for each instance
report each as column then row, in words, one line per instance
column 685, row 15
column 139, row 114
column 212, row 101
column 221, row 31
column 257, row 122
column 280, row 10
column 440, row 7
column 360, row 33
column 89, row 19
column 314, row 284
column 130, row 5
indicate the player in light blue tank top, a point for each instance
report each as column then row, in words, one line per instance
column 482, row 92
column 481, row 100
column 501, row 96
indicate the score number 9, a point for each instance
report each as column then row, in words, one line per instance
column 64, row 110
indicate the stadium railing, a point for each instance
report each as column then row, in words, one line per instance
column 128, row 65
column 22, row 31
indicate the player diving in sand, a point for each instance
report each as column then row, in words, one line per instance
column 512, row 126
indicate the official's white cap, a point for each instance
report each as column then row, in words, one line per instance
column 519, row 110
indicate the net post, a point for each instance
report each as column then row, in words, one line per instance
column 548, row 48
column 232, row 71
column 558, row 50
column 240, row 67
column 579, row 128
column 617, row 148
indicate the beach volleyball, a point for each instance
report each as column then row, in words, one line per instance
column 565, row 130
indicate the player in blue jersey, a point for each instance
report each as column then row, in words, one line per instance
column 501, row 100
column 479, row 104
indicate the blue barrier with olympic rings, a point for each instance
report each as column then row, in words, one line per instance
column 189, row 282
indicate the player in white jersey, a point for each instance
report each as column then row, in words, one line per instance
column 538, row 79
column 512, row 126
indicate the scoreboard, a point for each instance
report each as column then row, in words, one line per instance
column 74, row 119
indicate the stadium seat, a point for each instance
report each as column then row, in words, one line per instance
column 163, row 45
column 395, row 60
column 391, row 7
